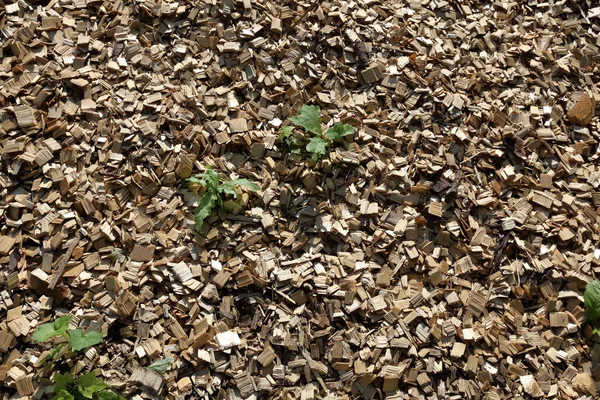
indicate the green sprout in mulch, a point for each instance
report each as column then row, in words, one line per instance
column 319, row 144
column 215, row 192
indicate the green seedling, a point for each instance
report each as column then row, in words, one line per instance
column 291, row 140
column 78, row 339
column 65, row 387
column 215, row 192
column 88, row 386
column 81, row 340
column 318, row 145
column 56, row 328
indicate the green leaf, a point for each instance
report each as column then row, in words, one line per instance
column 209, row 179
column 310, row 119
column 287, row 131
column 591, row 301
column 596, row 332
column 88, row 384
column 195, row 179
column 63, row 395
column 338, row 131
column 290, row 139
column 62, row 382
column 228, row 187
column 317, row 147
column 204, row 207
column 161, row 366
column 212, row 178
column 108, row 395
column 80, row 340
column 47, row 331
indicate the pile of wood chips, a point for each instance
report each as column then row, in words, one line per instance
column 441, row 253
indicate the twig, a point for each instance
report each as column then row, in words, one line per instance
column 64, row 262
column 310, row 9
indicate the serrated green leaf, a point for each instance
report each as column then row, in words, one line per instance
column 290, row 139
column 287, row 131
column 80, row 340
column 212, row 178
column 47, row 331
column 196, row 179
column 228, row 187
column 63, row 395
column 317, row 147
column 88, row 384
column 591, row 301
column 209, row 179
column 204, row 208
column 309, row 118
column 161, row 366
column 108, row 395
column 338, row 131
column 62, row 382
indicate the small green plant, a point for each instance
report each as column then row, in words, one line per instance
column 65, row 387
column 78, row 339
column 291, row 140
column 215, row 192
column 318, row 145
column 88, row 386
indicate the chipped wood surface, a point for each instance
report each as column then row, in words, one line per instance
column 441, row 252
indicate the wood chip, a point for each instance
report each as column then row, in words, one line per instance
column 583, row 111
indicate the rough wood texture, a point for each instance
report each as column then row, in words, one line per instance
column 439, row 253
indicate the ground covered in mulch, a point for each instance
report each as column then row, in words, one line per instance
column 439, row 251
